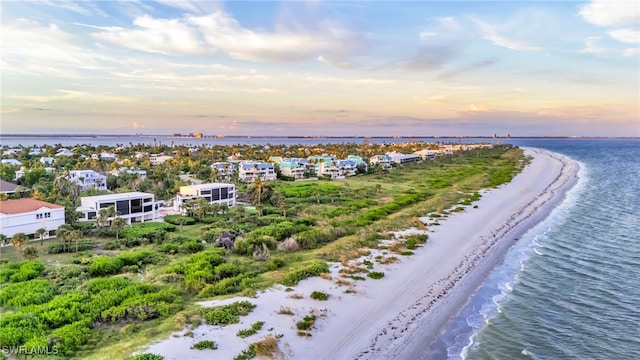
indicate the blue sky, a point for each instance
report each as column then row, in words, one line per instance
column 321, row 67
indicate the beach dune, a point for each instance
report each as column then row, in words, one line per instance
column 399, row 315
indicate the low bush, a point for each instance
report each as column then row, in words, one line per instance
column 319, row 295
column 376, row 275
column 177, row 219
column 306, row 323
column 21, row 271
column 205, row 344
column 25, row 293
column 227, row 314
column 150, row 231
column 315, row 269
column 255, row 327
column 105, row 265
column 146, row 356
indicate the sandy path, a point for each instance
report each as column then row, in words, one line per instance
column 392, row 317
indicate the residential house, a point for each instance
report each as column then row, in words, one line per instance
column 142, row 174
column 383, row 160
column 330, row 169
column 292, row 168
column 107, row 156
column 224, row 169
column 12, row 162
column 63, row 152
column 249, row 171
column 11, row 151
column 401, row 159
column 428, row 154
column 28, row 215
column 131, row 206
column 47, row 160
column 9, row 189
column 159, row 159
column 214, row 193
column 35, row 152
column 88, row 179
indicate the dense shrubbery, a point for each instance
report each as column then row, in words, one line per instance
column 153, row 232
column 310, row 239
column 177, row 219
column 146, row 356
column 205, row 344
column 105, row 265
column 21, row 271
column 139, row 257
column 198, row 269
column 255, row 327
column 25, row 293
column 315, row 269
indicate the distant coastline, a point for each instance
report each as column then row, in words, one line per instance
column 312, row 136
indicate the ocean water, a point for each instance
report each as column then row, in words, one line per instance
column 570, row 287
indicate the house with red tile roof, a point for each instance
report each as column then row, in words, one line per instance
column 29, row 215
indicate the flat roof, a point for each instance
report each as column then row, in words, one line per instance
column 206, row 186
column 117, row 196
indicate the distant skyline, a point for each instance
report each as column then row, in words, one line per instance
column 321, row 68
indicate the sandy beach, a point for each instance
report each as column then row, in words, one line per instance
column 397, row 316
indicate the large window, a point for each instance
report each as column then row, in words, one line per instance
column 224, row 193
column 216, row 195
column 136, row 206
column 122, row 207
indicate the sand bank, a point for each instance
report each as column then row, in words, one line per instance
column 417, row 297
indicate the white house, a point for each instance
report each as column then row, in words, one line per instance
column 214, row 193
column 35, row 152
column 131, row 206
column 88, row 179
column 383, row 160
column 249, row 171
column 12, row 162
column 47, row 160
column 63, row 152
column 159, row 159
column 142, row 174
column 107, row 156
column 329, row 168
column 401, row 159
column 224, row 169
column 29, row 215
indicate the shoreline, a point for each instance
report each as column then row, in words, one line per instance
column 398, row 315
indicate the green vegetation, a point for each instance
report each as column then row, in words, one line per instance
column 251, row 331
column 101, row 286
column 319, row 295
column 205, row 344
column 376, row 275
column 306, row 323
column 228, row 314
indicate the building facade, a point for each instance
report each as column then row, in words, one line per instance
column 131, row 206
column 214, row 193
column 249, row 171
column 88, row 179
column 28, row 215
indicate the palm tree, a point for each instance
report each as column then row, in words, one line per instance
column 104, row 215
column 75, row 235
column 40, row 233
column 62, row 234
column 18, row 240
column 3, row 240
column 117, row 224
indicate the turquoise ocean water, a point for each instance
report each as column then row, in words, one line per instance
column 570, row 287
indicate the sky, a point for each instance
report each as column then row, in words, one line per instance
column 321, row 68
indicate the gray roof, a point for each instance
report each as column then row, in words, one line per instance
column 6, row 186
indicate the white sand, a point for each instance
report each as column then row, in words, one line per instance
column 417, row 296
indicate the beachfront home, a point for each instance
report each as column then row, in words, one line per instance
column 249, row 171
column 428, row 154
column 214, row 193
column 107, row 156
column 330, row 169
column 11, row 151
column 131, row 206
column 35, row 152
column 28, row 215
column 88, row 179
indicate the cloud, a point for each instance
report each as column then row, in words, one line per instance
column 611, row 12
column 630, row 36
column 491, row 33
column 220, row 34
column 467, row 68
column 431, row 57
